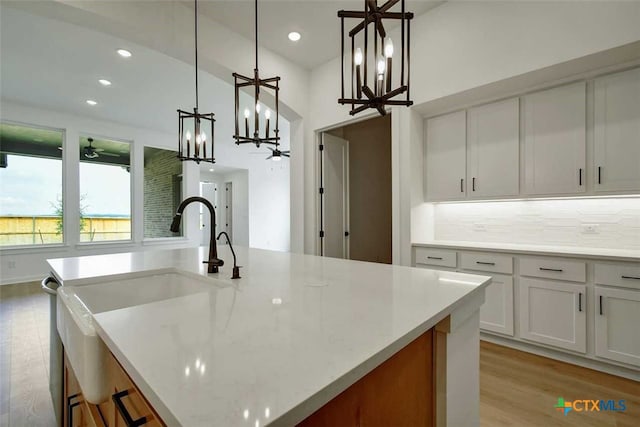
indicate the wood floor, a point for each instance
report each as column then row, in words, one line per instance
column 516, row 388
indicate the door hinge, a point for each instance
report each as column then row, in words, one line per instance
column 321, row 147
column 321, row 233
column 321, row 190
column 346, row 234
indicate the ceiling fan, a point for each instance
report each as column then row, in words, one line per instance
column 90, row 152
column 277, row 155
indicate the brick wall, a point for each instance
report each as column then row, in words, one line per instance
column 162, row 191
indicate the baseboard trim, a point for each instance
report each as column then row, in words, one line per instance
column 597, row 365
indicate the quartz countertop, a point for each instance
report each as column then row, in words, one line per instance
column 273, row 346
column 567, row 251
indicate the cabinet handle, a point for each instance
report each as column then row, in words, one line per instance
column 473, row 183
column 117, row 399
column 580, row 301
column 485, row 263
column 631, row 277
column 600, row 305
column 434, row 257
column 599, row 174
column 462, row 185
column 557, row 270
column 580, row 177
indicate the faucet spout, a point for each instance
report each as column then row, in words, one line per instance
column 213, row 262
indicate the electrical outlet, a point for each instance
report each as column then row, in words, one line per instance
column 590, row 228
column 479, row 227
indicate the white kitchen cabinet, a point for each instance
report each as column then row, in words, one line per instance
column 446, row 157
column 493, row 150
column 617, row 314
column 617, row 132
column 496, row 314
column 553, row 313
column 555, row 141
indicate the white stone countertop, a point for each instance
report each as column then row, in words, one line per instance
column 273, row 346
column 566, row 251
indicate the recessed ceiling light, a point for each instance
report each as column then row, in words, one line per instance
column 294, row 36
column 211, row 170
column 124, row 53
column 91, row 102
column 104, row 82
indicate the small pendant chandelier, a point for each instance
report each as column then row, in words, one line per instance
column 193, row 127
column 251, row 131
column 379, row 91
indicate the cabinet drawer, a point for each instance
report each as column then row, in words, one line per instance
column 551, row 268
column 440, row 257
column 623, row 275
column 493, row 263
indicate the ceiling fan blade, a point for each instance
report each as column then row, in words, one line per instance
column 110, row 154
column 270, row 148
column 286, row 154
column 98, row 149
column 271, row 156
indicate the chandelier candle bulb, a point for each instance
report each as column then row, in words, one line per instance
column 357, row 59
column 388, row 53
column 247, row 113
column 381, row 69
column 267, row 115
column 188, row 136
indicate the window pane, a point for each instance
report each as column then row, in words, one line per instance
column 30, row 185
column 162, row 191
column 105, row 190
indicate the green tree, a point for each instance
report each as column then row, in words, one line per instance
column 58, row 211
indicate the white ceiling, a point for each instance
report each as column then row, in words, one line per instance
column 315, row 20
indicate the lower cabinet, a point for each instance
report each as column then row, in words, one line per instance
column 617, row 314
column 554, row 313
column 126, row 407
column 496, row 314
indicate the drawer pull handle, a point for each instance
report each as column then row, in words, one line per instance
column 580, row 177
column 630, row 277
column 580, row 301
column 557, row 270
column 600, row 305
column 485, row 263
column 117, row 399
column 435, row 257
column 462, row 185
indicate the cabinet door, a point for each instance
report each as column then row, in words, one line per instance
column 493, row 154
column 554, row 141
column 617, row 132
column 446, row 157
column 496, row 314
column 553, row 313
column 617, row 319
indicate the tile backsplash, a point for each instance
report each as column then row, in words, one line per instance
column 612, row 223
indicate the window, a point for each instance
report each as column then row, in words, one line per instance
column 30, row 185
column 162, row 191
column 105, row 190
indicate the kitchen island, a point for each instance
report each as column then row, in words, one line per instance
column 278, row 345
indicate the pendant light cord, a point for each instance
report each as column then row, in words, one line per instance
column 196, row 31
column 256, row 10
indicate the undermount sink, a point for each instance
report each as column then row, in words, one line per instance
column 77, row 304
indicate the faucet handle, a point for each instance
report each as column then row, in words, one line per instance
column 216, row 261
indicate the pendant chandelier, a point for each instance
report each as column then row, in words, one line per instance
column 255, row 129
column 378, row 89
column 193, row 127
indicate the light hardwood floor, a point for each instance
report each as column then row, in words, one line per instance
column 516, row 388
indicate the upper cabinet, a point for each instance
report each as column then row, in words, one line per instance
column 555, row 141
column 493, row 154
column 446, row 157
column 617, row 132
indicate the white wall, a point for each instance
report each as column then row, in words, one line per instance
column 542, row 222
column 463, row 45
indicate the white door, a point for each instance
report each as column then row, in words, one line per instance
column 446, row 157
column 209, row 191
column 335, row 196
column 617, row 314
column 496, row 314
column 617, row 132
column 553, row 313
column 554, row 141
column 493, row 150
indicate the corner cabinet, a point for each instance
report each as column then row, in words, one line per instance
column 617, row 132
column 555, row 141
column 446, row 157
column 493, row 150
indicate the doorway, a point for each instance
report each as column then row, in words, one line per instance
column 355, row 191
